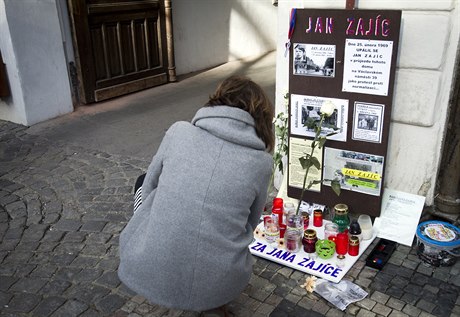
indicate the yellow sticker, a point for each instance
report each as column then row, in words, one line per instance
column 361, row 174
column 361, row 183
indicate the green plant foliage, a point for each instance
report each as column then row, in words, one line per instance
column 309, row 160
column 281, row 135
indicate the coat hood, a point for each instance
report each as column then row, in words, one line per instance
column 230, row 124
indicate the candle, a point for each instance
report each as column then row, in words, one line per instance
column 278, row 209
column 353, row 246
column 292, row 241
column 318, row 218
column 282, row 230
column 309, row 241
column 330, row 231
column 306, row 219
column 341, row 217
column 355, row 230
column 341, row 245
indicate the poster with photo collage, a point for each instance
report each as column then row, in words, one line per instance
column 347, row 60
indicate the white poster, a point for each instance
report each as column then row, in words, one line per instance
column 314, row 60
column 359, row 172
column 367, row 66
column 399, row 217
column 305, row 113
column 368, row 122
column 302, row 261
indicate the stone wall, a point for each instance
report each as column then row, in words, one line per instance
column 424, row 79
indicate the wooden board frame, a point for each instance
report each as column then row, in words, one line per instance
column 331, row 87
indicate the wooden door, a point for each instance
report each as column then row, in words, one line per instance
column 120, row 46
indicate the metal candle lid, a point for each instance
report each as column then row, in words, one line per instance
column 354, row 240
column 309, row 234
column 341, row 209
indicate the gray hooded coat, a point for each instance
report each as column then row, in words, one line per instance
column 186, row 247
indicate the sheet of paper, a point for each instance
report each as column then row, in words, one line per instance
column 400, row 216
column 298, row 148
column 367, row 66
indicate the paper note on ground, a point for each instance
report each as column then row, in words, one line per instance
column 400, row 216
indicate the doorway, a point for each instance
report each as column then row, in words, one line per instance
column 121, row 46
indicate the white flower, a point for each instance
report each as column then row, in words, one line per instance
column 327, row 108
column 310, row 284
column 286, row 102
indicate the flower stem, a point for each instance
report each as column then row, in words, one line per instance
column 304, row 181
column 313, row 146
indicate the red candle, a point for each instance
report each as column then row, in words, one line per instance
column 282, row 230
column 306, row 220
column 278, row 209
column 353, row 246
column 341, row 244
column 278, row 202
column 267, row 218
column 318, row 218
column 309, row 241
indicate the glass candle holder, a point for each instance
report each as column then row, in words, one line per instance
column 292, row 240
column 330, row 231
column 318, row 218
column 355, row 230
column 365, row 222
column 289, row 208
column 306, row 219
column 341, row 245
column 272, row 232
column 353, row 246
column 341, row 217
column 277, row 209
column 295, row 222
column 282, row 228
column 325, row 248
column 309, row 241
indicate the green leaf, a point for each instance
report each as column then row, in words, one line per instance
column 316, row 163
column 321, row 142
column 313, row 183
column 280, row 167
column 335, row 184
column 331, row 134
column 304, row 162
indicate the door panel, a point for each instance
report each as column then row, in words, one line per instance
column 121, row 46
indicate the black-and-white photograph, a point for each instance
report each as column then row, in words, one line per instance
column 356, row 171
column 306, row 113
column 368, row 122
column 314, row 60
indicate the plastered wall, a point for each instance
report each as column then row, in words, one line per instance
column 32, row 46
column 425, row 67
column 209, row 32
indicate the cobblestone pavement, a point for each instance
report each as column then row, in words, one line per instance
column 62, row 208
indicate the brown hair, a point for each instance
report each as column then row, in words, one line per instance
column 241, row 92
